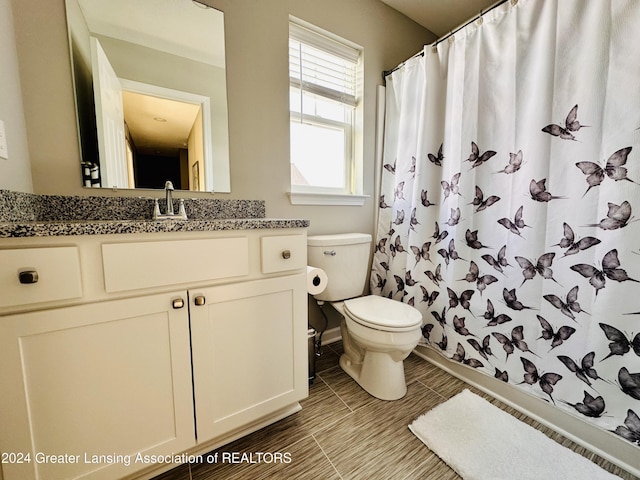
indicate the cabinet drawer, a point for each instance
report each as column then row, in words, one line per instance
column 57, row 269
column 283, row 252
column 130, row 266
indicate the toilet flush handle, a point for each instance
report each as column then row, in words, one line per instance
column 330, row 252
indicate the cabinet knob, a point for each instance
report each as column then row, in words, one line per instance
column 178, row 303
column 28, row 276
column 199, row 300
column 286, row 254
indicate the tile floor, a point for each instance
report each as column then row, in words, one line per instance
column 344, row 433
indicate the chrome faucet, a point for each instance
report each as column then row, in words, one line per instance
column 168, row 188
column 181, row 215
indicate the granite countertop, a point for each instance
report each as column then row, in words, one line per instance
column 30, row 215
column 104, row 227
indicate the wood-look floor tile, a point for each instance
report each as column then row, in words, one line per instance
column 347, row 389
column 337, row 347
column 308, row 462
column 443, row 383
column 320, row 410
column 329, row 358
column 374, row 441
column 432, row 468
column 301, row 460
column 179, row 473
column 225, row 466
column 416, row 368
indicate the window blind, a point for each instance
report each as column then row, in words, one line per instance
column 321, row 65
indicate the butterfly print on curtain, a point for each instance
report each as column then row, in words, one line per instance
column 613, row 169
column 571, row 124
column 590, row 406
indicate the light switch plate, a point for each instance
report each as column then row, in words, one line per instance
column 3, row 142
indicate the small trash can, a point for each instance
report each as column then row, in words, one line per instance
column 311, row 344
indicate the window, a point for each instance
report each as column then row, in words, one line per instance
column 323, row 103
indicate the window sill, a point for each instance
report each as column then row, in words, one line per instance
column 305, row 198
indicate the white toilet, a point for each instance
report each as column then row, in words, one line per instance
column 377, row 333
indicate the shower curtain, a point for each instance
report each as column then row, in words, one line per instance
column 510, row 194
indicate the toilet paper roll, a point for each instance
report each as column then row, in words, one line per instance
column 316, row 280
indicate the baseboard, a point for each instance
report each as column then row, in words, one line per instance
column 332, row 335
column 605, row 444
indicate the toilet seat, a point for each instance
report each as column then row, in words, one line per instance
column 384, row 314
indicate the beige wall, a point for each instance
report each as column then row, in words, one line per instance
column 196, row 154
column 257, row 76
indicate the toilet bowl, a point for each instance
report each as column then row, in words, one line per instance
column 378, row 334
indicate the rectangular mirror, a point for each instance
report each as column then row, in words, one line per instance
column 150, row 89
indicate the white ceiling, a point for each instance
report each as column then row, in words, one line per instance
column 157, row 125
column 180, row 27
column 440, row 16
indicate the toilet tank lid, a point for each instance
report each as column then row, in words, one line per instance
column 338, row 239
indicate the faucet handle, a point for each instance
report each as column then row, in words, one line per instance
column 156, row 209
column 181, row 211
column 168, row 185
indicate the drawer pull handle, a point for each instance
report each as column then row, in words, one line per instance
column 28, row 276
column 199, row 300
column 178, row 303
column 286, row 254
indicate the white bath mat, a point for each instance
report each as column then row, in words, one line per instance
column 480, row 441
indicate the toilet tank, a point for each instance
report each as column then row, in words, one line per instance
column 345, row 259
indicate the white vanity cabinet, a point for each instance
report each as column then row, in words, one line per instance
column 108, row 378
column 246, row 356
column 156, row 331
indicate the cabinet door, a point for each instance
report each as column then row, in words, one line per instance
column 92, row 386
column 249, row 351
